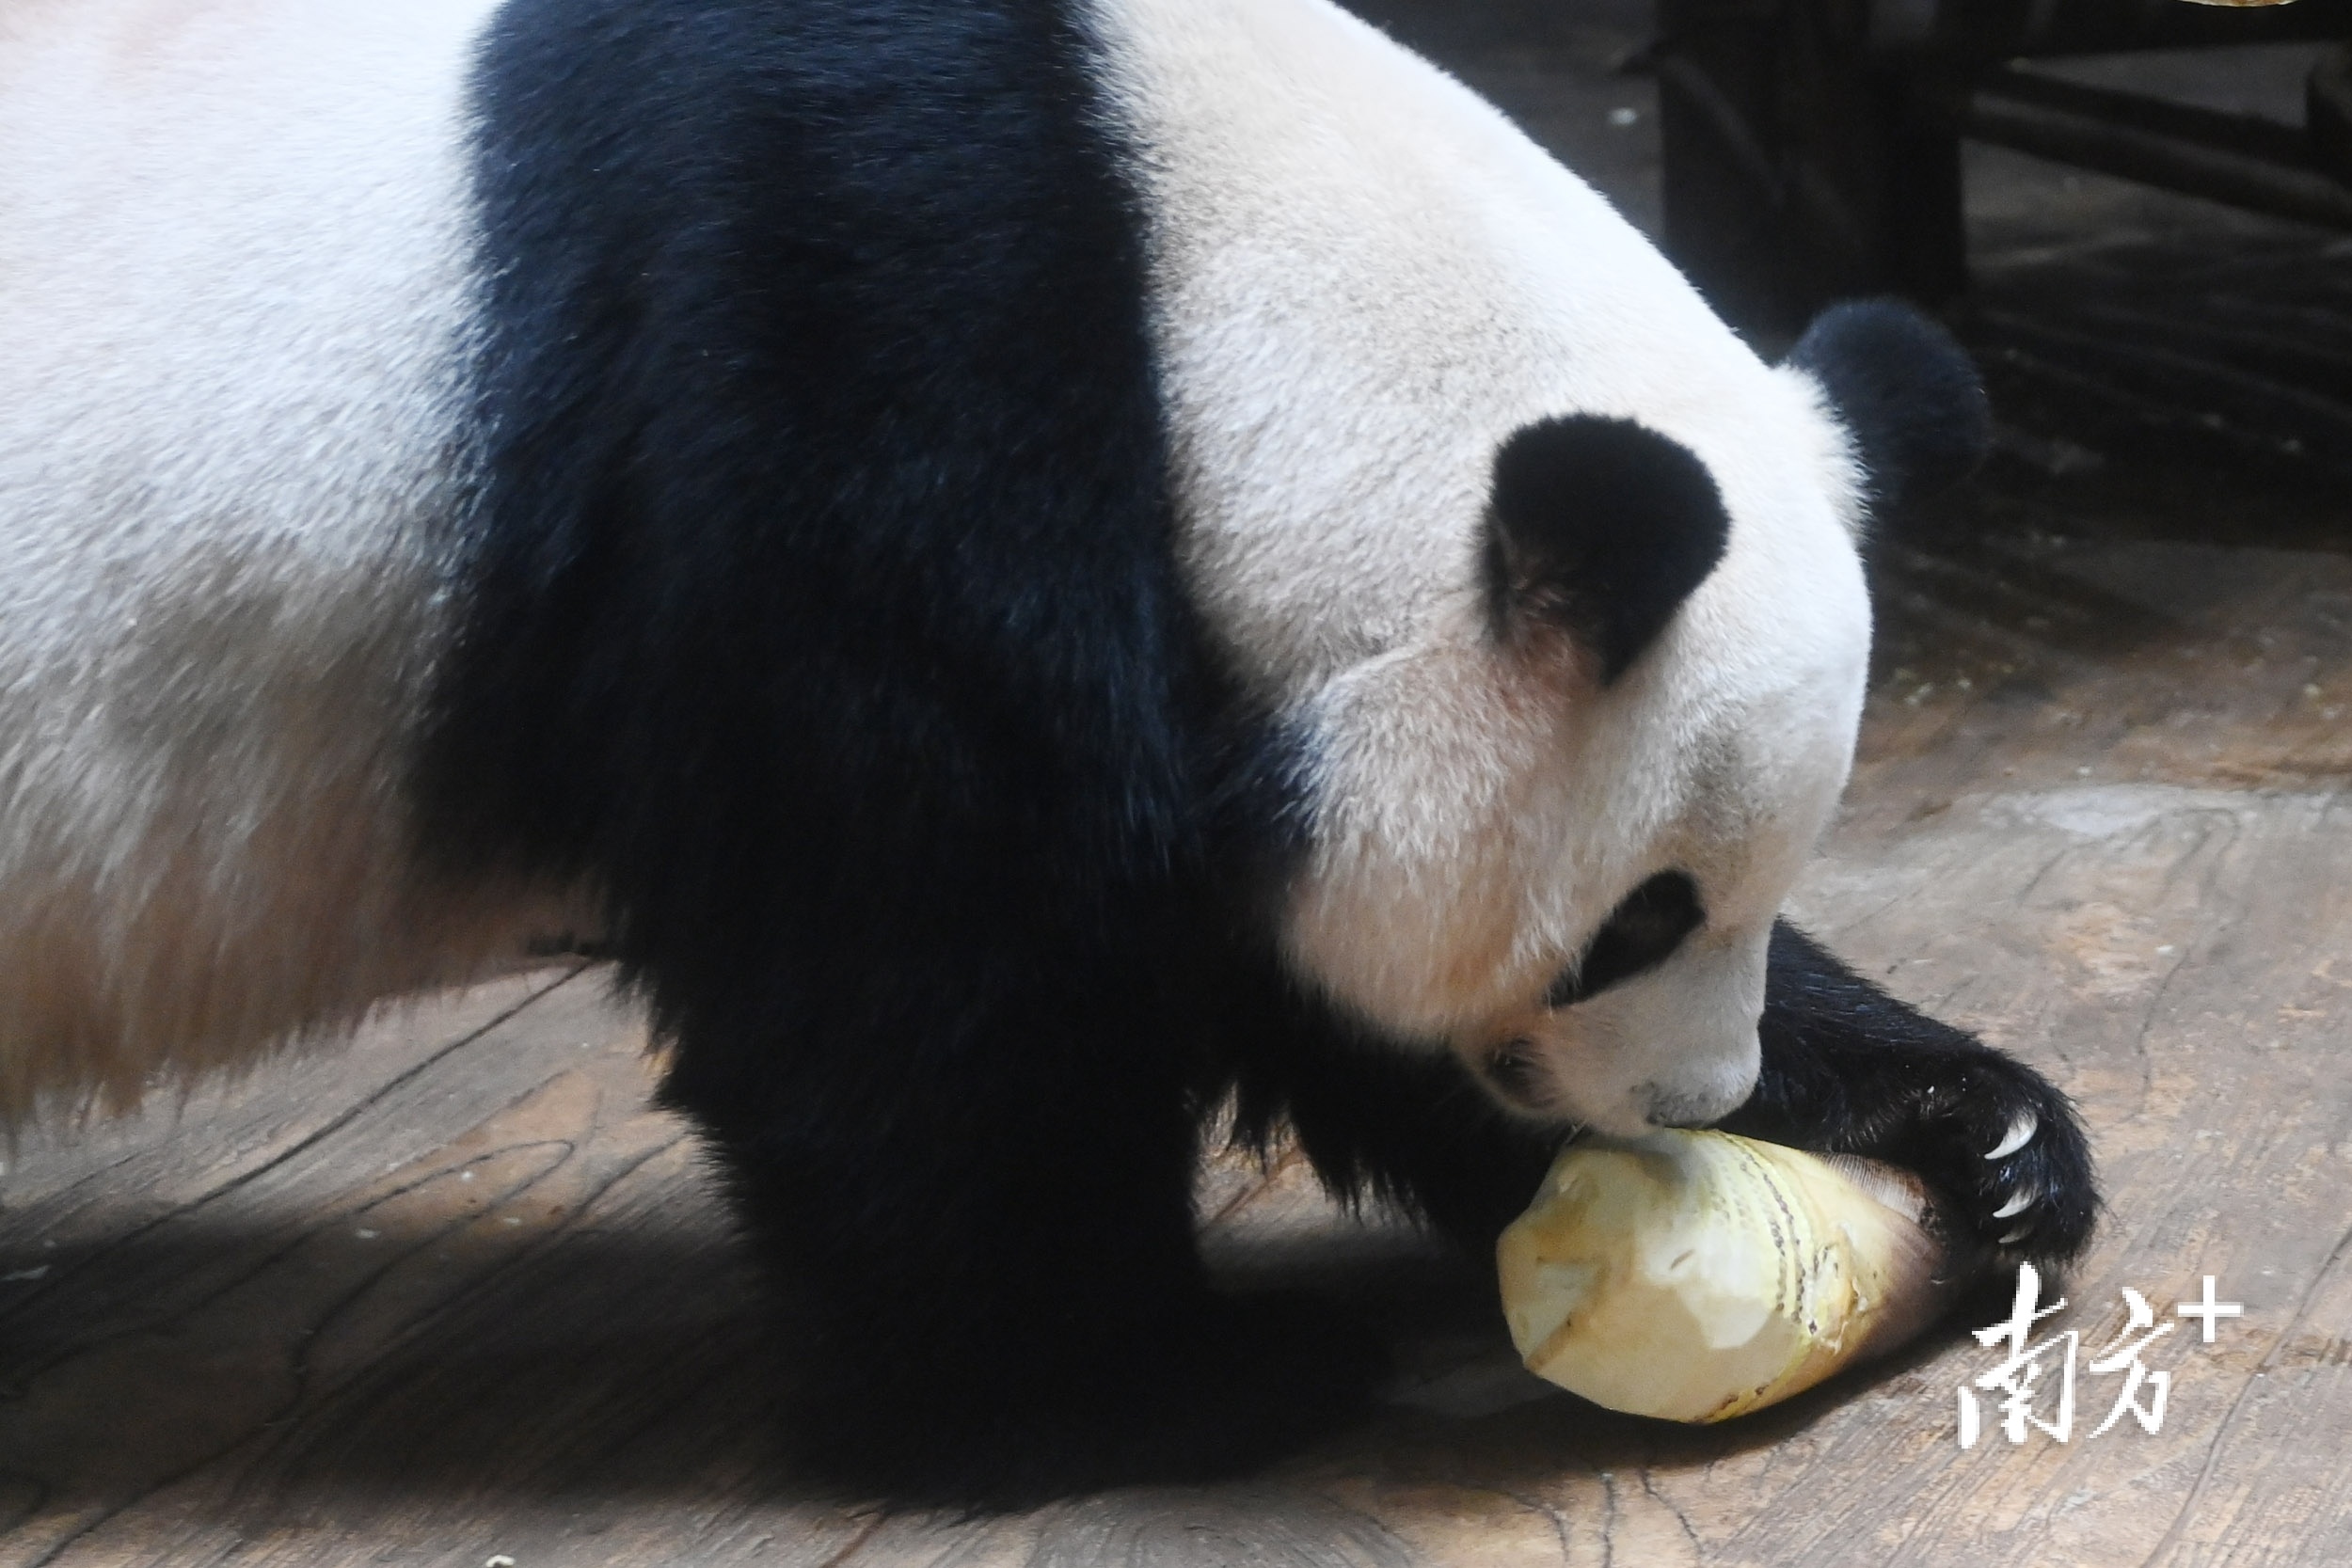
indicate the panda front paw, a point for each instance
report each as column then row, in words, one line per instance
column 1848, row 1069
column 2006, row 1150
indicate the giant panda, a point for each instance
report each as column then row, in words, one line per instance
column 1032, row 569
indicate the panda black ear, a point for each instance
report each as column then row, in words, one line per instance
column 1599, row 527
column 1906, row 392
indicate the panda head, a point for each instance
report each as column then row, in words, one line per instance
column 1553, row 830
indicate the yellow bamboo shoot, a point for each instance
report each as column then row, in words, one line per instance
column 1697, row 1275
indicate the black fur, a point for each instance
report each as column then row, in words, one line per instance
column 820, row 607
column 822, row 611
column 1407, row 1128
column 1641, row 933
column 1847, row 1069
column 1600, row 527
column 1907, row 394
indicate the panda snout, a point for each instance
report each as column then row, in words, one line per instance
column 1663, row 1107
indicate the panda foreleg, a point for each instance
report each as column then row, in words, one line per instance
column 1848, row 1069
column 1406, row 1128
column 979, row 1216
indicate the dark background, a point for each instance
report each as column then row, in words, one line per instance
column 2154, row 359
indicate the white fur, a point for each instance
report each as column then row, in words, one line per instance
column 233, row 293
column 232, row 285
column 1366, row 279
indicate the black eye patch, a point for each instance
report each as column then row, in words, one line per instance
column 1640, row 934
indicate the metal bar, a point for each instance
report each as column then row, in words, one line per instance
column 1989, row 31
column 2230, row 132
column 2191, row 150
column 2327, row 111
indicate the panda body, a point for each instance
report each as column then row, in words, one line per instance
column 1026, row 566
column 238, row 294
column 233, row 856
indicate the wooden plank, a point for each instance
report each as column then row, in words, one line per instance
column 496, row 1274
column 459, row 1293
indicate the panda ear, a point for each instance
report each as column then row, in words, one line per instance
column 1600, row 528
column 1906, row 392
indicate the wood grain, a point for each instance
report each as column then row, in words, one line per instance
column 457, row 1293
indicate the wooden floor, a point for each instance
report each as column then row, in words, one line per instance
column 457, row 1295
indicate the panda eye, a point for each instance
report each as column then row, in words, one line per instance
column 1640, row 934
